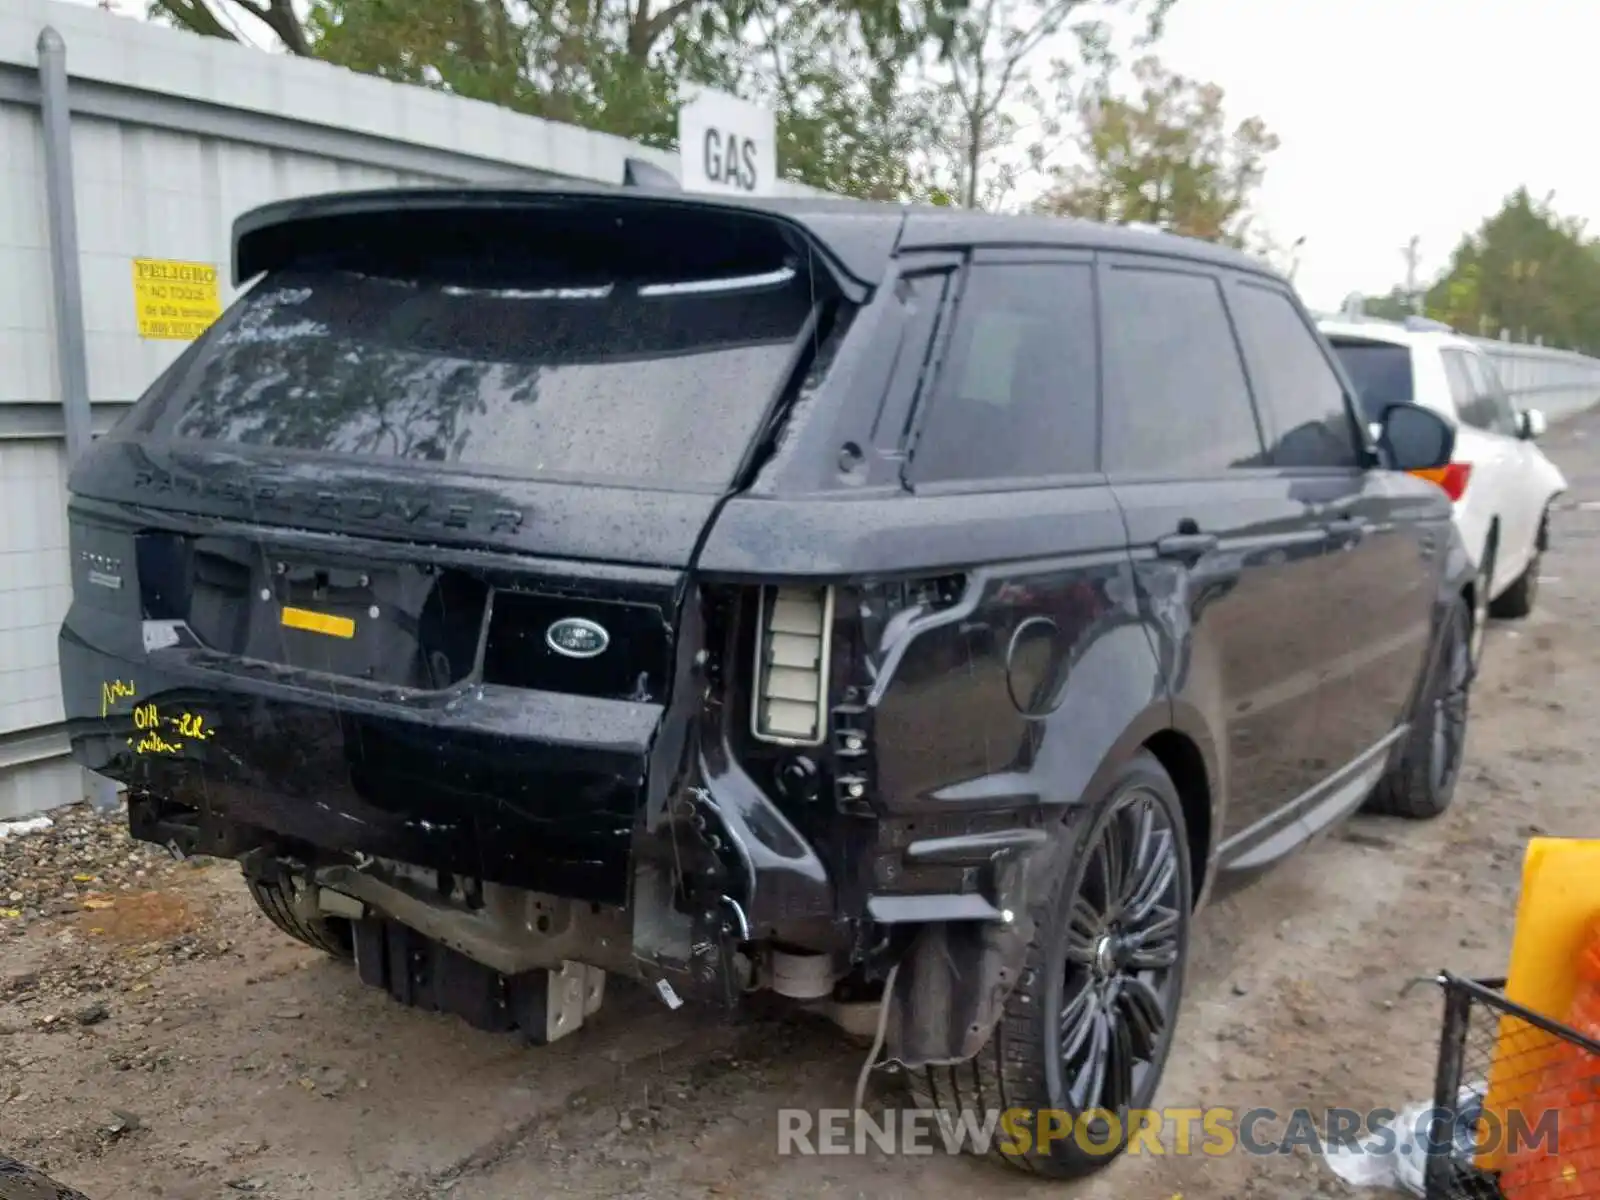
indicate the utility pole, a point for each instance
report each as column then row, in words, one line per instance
column 1411, row 273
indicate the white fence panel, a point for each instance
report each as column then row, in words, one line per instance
column 1559, row 382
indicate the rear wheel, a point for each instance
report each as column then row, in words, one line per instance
column 1423, row 782
column 1088, row 1026
column 284, row 906
column 1518, row 600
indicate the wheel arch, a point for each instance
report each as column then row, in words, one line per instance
column 1180, row 756
column 1542, row 534
column 955, row 977
column 1457, row 583
column 1486, row 562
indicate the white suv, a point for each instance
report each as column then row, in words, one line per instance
column 1502, row 484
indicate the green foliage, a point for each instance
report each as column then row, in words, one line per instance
column 586, row 62
column 987, row 74
column 1528, row 270
column 831, row 70
column 1396, row 306
column 846, row 121
column 1168, row 157
column 882, row 99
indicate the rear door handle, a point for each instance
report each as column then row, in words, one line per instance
column 1186, row 545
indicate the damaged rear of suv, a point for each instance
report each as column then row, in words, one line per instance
column 525, row 586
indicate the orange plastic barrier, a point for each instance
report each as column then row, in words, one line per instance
column 1556, row 911
column 1568, row 1084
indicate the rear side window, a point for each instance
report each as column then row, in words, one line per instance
column 1175, row 393
column 1016, row 395
column 1490, row 407
column 661, row 383
column 1380, row 371
column 1455, row 371
column 1294, row 382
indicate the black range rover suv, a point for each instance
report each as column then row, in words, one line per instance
column 899, row 606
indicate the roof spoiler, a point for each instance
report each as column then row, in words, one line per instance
column 636, row 172
column 273, row 235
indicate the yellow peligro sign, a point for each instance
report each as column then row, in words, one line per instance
column 175, row 301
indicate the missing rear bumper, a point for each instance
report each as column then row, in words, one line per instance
column 542, row 1005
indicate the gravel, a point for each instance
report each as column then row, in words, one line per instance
column 82, row 856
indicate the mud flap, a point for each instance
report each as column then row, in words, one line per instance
column 954, row 982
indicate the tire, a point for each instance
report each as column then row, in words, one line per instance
column 1517, row 601
column 18, row 1181
column 1422, row 784
column 1083, row 981
column 331, row 935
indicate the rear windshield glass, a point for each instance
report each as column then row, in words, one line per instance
column 1381, row 372
column 663, row 384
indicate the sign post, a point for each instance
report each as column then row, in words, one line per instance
column 728, row 146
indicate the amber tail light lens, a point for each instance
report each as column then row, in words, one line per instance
column 1452, row 478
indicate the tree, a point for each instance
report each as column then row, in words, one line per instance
column 831, row 70
column 1526, row 269
column 200, row 17
column 1166, row 157
column 986, row 72
column 1395, row 306
column 591, row 64
column 846, row 121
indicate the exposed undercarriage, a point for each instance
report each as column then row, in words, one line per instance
column 506, row 958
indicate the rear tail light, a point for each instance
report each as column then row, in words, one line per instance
column 791, row 676
column 1452, row 478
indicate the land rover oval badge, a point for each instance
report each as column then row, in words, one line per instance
column 577, row 637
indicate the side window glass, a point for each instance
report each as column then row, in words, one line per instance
column 1175, row 394
column 1016, row 395
column 1493, row 406
column 1293, row 382
column 1482, row 411
column 921, row 296
column 1461, row 390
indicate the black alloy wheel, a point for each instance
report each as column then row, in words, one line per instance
column 1123, row 940
column 1449, row 716
column 1085, row 1032
column 1422, row 782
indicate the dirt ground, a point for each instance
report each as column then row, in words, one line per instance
column 157, row 1038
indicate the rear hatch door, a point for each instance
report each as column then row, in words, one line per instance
column 411, row 526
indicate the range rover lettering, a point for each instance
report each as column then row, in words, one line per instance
column 873, row 605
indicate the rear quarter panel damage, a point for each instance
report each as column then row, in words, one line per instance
column 1006, row 712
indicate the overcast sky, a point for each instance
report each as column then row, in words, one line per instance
column 1401, row 117
column 1397, row 117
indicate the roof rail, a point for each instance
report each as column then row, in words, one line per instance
column 1358, row 318
column 1427, row 325
column 636, row 172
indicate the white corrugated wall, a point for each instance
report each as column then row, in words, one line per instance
column 34, row 588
